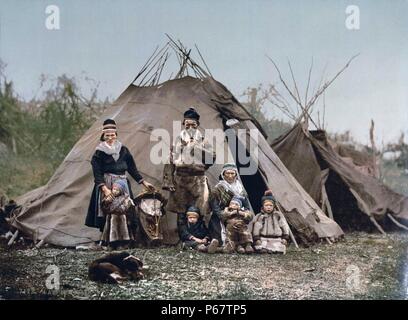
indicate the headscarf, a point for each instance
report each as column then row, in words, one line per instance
column 236, row 187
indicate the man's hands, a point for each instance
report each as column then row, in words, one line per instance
column 148, row 186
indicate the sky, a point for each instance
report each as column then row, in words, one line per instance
column 109, row 41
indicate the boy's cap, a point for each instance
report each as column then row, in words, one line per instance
column 237, row 199
column 268, row 197
column 193, row 211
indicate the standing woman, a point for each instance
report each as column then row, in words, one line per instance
column 110, row 162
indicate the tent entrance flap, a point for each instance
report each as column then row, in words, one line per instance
column 255, row 187
column 345, row 208
column 253, row 183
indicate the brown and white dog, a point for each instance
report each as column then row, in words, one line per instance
column 116, row 268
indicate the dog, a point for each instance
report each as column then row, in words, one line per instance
column 115, row 268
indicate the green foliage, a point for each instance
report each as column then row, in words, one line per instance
column 401, row 150
column 36, row 136
column 395, row 170
column 394, row 177
column 9, row 113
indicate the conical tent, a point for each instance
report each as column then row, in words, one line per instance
column 56, row 212
column 350, row 191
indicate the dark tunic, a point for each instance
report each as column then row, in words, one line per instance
column 103, row 163
column 186, row 230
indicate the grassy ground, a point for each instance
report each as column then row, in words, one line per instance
column 363, row 266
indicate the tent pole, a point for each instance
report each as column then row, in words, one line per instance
column 292, row 237
column 39, row 244
column 13, row 238
column 366, row 210
column 377, row 225
column 396, row 222
column 327, row 202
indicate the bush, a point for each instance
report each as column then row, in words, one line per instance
column 40, row 133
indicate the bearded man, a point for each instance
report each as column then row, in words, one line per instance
column 184, row 176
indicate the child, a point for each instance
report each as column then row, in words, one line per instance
column 237, row 220
column 194, row 234
column 116, row 209
column 270, row 229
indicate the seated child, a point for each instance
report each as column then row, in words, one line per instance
column 270, row 229
column 237, row 219
column 116, row 209
column 194, row 234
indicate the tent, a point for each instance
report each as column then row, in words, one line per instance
column 351, row 195
column 361, row 159
column 55, row 213
column 341, row 180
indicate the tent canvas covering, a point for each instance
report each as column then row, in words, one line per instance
column 56, row 211
column 345, row 182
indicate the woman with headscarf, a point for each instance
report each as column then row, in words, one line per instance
column 110, row 162
column 228, row 187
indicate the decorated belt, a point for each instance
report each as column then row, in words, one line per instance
column 187, row 172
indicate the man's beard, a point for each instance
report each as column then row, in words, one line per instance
column 191, row 132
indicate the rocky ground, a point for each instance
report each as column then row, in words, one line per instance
column 363, row 266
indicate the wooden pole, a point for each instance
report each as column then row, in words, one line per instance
column 378, row 226
column 374, row 151
column 327, row 202
column 39, row 244
column 13, row 238
column 292, row 237
column 396, row 222
column 367, row 210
